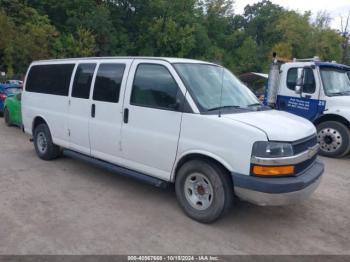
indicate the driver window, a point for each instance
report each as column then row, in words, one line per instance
column 309, row 81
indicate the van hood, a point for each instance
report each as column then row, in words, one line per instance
column 277, row 125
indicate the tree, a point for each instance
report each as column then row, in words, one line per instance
column 6, row 29
column 345, row 33
column 283, row 49
column 204, row 29
column 80, row 44
column 30, row 38
column 295, row 29
column 260, row 21
column 326, row 41
column 247, row 56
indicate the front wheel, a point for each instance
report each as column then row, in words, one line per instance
column 44, row 147
column 334, row 139
column 204, row 191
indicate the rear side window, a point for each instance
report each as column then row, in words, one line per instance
column 50, row 79
column 108, row 80
column 154, row 87
column 309, row 80
column 82, row 80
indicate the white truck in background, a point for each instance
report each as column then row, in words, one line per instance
column 318, row 91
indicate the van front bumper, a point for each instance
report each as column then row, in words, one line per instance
column 278, row 191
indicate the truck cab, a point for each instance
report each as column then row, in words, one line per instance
column 318, row 91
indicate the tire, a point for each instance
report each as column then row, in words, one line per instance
column 44, row 147
column 334, row 139
column 7, row 117
column 208, row 181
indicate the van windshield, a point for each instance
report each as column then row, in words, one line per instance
column 335, row 82
column 214, row 87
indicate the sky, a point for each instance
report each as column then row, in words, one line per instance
column 335, row 8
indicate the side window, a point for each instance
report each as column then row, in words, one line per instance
column 82, row 80
column 50, row 79
column 108, row 80
column 292, row 77
column 309, row 81
column 154, row 87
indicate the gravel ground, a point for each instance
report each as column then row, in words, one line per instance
column 69, row 207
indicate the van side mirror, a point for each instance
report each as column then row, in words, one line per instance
column 176, row 105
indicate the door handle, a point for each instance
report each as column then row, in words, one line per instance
column 126, row 115
column 93, row 110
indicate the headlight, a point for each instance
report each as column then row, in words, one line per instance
column 267, row 149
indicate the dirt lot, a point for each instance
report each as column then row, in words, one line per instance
column 68, row 207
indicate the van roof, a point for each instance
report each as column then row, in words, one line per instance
column 167, row 59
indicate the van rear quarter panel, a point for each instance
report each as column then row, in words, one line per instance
column 229, row 142
column 52, row 108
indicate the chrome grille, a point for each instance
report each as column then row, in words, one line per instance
column 304, row 144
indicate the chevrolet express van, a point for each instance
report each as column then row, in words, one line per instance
column 170, row 120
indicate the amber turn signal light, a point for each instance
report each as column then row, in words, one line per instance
column 273, row 170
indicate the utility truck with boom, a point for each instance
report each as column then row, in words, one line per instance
column 318, row 91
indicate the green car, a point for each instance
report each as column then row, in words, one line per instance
column 12, row 110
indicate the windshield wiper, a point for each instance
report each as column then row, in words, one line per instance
column 255, row 104
column 222, row 107
column 341, row 93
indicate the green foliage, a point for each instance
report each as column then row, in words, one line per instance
column 80, row 44
column 203, row 29
column 247, row 56
column 29, row 38
column 296, row 30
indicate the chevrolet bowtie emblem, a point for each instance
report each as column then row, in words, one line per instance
column 312, row 151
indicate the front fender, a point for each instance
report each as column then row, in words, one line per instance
column 340, row 111
column 224, row 140
column 201, row 153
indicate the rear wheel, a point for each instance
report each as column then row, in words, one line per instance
column 7, row 117
column 334, row 139
column 44, row 147
column 204, row 191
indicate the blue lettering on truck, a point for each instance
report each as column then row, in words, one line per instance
column 305, row 107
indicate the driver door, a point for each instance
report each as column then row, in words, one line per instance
column 151, row 119
column 305, row 103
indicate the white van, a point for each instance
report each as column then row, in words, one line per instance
column 170, row 120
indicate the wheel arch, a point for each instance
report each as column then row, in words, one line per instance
column 332, row 117
column 37, row 121
column 202, row 156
